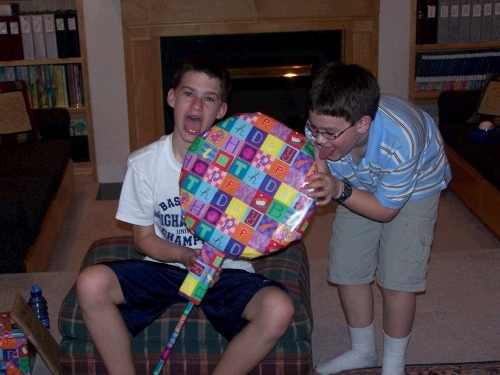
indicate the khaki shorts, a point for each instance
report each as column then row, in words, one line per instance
column 395, row 253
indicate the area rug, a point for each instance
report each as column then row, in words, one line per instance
column 478, row 368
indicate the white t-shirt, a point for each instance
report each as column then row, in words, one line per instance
column 150, row 195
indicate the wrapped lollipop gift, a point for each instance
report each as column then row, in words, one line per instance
column 241, row 190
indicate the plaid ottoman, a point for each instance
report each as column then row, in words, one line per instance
column 198, row 347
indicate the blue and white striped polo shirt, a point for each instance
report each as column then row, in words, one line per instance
column 404, row 157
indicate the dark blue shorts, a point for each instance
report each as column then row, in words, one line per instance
column 150, row 288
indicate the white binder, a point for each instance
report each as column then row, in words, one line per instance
column 454, row 22
column 38, row 36
column 49, row 29
column 443, row 21
column 465, row 16
column 476, row 21
column 495, row 24
column 487, row 20
column 27, row 36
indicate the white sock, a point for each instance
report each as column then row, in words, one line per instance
column 363, row 353
column 393, row 362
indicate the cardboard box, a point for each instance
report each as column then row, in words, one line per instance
column 16, row 352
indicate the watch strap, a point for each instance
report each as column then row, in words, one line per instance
column 346, row 192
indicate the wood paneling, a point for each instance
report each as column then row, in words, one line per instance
column 479, row 195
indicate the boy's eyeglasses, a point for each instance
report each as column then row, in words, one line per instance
column 327, row 135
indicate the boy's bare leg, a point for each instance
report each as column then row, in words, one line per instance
column 269, row 314
column 399, row 313
column 357, row 304
column 99, row 293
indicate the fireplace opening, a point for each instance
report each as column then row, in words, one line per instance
column 258, row 64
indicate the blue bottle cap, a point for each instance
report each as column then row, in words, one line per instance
column 35, row 289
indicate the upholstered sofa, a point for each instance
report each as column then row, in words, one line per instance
column 198, row 346
column 475, row 166
column 36, row 188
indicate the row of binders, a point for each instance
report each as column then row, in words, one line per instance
column 464, row 70
column 49, row 85
column 457, row 21
column 39, row 36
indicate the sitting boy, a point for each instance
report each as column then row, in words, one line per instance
column 120, row 298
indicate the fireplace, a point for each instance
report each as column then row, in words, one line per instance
column 147, row 22
column 258, row 63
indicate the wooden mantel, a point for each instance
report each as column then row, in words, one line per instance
column 145, row 21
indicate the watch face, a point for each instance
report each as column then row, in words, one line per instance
column 346, row 192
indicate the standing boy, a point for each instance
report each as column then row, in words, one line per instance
column 382, row 161
column 120, row 298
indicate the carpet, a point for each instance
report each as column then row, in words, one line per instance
column 477, row 368
column 457, row 318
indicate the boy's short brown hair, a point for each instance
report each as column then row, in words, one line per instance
column 208, row 65
column 346, row 91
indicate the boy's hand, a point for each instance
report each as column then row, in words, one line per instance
column 189, row 258
column 216, row 277
column 323, row 186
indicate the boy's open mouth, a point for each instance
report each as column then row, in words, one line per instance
column 192, row 124
column 325, row 152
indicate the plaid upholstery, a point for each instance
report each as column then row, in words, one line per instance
column 199, row 346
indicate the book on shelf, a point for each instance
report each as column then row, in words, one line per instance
column 9, row 32
column 49, row 31
column 443, row 21
column 455, row 70
column 16, row 39
column 27, row 37
column 72, row 32
column 78, row 125
column 43, row 35
column 427, row 22
column 476, row 21
column 49, row 85
column 465, row 18
column 495, row 25
column 4, row 39
column 38, row 36
column 487, row 21
column 61, row 35
column 454, row 22
column 457, row 21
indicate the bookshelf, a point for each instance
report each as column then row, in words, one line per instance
column 451, row 48
column 77, row 112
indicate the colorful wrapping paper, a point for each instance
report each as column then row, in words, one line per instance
column 242, row 183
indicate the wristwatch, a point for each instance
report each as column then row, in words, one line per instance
column 346, row 192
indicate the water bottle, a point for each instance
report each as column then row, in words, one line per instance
column 39, row 305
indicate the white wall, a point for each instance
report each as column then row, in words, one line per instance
column 103, row 32
column 104, row 37
column 394, row 47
